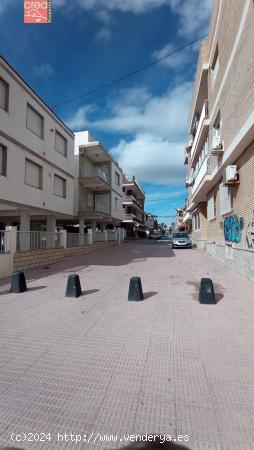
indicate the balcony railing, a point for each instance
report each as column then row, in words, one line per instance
column 99, row 209
column 204, row 115
column 132, row 199
column 94, row 172
column 203, row 170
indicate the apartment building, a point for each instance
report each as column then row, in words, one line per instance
column 133, row 206
column 36, row 158
column 220, row 148
column 99, row 181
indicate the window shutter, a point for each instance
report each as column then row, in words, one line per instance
column 210, row 208
column 33, row 174
column 34, row 121
column 59, row 186
column 60, row 144
column 4, row 92
column 225, row 199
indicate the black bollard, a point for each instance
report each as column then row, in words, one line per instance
column 73, row 288
column 18, row 283
column 135, row 289
column 206, row 292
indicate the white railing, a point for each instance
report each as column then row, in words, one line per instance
column 98, row 236
column 33, row 240
column 3, row 241
column 203, row 170
column 77, row 239
column 98, row 208
column 113, row 235
column 204, row 115
column 94, row 172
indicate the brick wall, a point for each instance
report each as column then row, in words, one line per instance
column 26, row 260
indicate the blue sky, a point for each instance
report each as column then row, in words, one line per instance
column 142, row 120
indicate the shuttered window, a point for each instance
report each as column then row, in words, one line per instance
column 4, row 94
column 33, row 174
column 34, row 121
column 3, row 160
column 59, row 186
column 60, row 144
column 225, row 199
column 210, row 208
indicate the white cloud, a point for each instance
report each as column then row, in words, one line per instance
column 134, row 6
column 174, row 61
column 154, row 159
column 79, row 120
column 135, row 111
column 104, row 34
column 157, row 124
column 193, row 16
column 44, row 69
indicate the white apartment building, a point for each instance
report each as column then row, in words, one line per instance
column 36, row 158
column 99, row 180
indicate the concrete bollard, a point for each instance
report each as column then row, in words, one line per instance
column 135, row 289
column 206, row 292
column 73, row 288
column 18, row 283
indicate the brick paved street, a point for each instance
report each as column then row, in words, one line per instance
column 101, row 364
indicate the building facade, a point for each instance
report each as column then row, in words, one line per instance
column 133, row 207
column 36, row 158
column 99, row 181
column 220, row 148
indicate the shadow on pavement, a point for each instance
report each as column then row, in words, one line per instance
column 149, row 294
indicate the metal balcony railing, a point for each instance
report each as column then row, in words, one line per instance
column 94, row 172
column 204, row 115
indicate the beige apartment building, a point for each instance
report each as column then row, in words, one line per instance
column 219, row 153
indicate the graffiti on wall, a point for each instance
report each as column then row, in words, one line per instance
column 233, row 226
column 250, row 235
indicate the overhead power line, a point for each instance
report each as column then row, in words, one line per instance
column 130, row 74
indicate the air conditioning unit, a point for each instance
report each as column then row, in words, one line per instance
column 216, row 145
column 231, row 174
column 82, row 150
column 190, row 181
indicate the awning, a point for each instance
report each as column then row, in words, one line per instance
column 188, row 216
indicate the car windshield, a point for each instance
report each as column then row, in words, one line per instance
column 180, row 235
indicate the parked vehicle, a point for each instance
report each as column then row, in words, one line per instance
column 154, row 237
column 181, row 240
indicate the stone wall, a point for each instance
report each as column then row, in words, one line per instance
column 32, row 259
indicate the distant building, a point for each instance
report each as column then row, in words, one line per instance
column 99, row 183
column 133, row 207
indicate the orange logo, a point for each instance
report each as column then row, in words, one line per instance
column 37, row 11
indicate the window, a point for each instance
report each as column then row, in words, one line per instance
column 34, row 122
column 116, row 204
column 196, row 221
column 3, row 160
column 33, row 174
column 59, row 186
column 215, row 64
column 211, row 208
column 117, row 178
column 60, row 144
column 217, row 126
column 225, row 199
column 4, row 95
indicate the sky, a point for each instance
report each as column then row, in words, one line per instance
column 142, row 120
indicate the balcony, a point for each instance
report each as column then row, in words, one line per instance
column 101, row 206
column 201, row 85
column 130, row 199
column 94, row 178
column 132, row 218
column 201, row 132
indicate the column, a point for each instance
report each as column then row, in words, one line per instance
column 81, row 225
column 24, row 228
column 51, row 229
